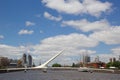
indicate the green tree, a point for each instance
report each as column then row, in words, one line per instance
column 114, row 64
column 56, row 65
column 73, row 65
column 76, row 65
column 109, row 64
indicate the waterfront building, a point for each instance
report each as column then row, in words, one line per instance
column 86, row 58
column 24, row 59
column 97, row 59
column 29, row 60
column 119, row 58
column 0, row 60
column 13, row 63
column 114, row 59
column 110, row 59
column 96, row 65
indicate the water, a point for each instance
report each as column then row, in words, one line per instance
column 58, row 75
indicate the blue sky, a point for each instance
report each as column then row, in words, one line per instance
column 48, row 26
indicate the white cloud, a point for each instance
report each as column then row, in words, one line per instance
column 116, row 51
column 92, row 7
column 72, row 43
column 74, row 39
column 1, row 36
column 49, row 16
column 102, row 30
column 109, row 36
column 104, row 57
column 86, row 26
column 21, row 32
column 96, row 7
column 75, row 46
column 83, row 51
column 29, row 23
column 10, row 51
column 15, row 52
column 42, row 53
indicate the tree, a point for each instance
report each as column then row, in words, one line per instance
column 113, row 64
column 56, row 65
column 19, row 63
column 33, row 64
column 116, row 64
column 109, row 64
column 76, row 65
column 73, row 65
column 4, row 62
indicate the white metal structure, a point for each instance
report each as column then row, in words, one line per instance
column 43, row 66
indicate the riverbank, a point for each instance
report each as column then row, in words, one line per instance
column 61, row 68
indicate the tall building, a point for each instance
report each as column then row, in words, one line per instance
column 114, row 59
column 24, row 59
column 29, row 60
column 119, row 58
column 110, row 59
column 86, row 59
column 97, row 59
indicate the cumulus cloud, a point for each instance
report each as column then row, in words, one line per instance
column 109, row 36
column 15, row 52
column 49, row 16
column 29, row 23
column 116, row 51
column 72, row 43
column 104, row 57
column 102, row 30
column 75, row 46
column 40, row 53
column 21, row 32
column 96, row 7
column 86, row 25
column 10, row 51
column 82, row 51
column 71, row 40
column 92, row 7
column 1, row 36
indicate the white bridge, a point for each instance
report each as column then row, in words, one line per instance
column 43, row 66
